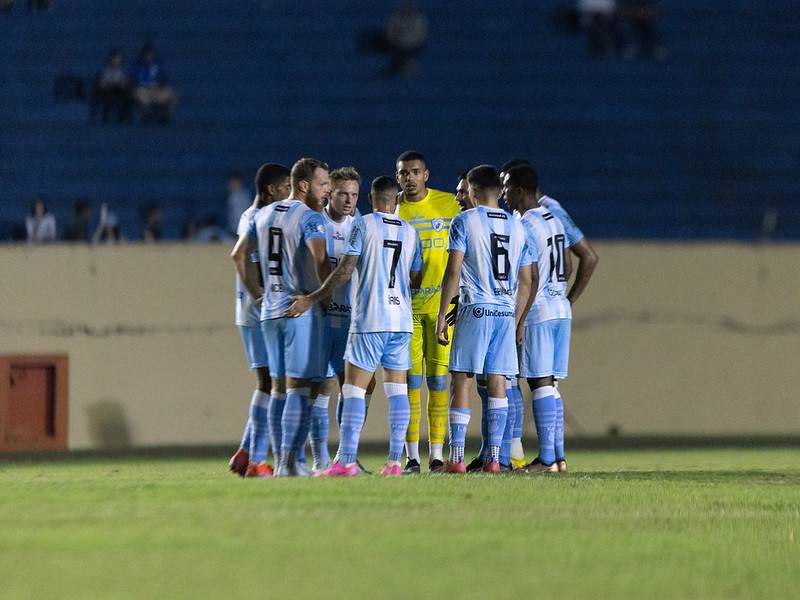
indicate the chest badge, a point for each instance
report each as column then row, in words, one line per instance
column 437, row 224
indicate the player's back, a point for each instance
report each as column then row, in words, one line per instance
column 573, row 232
column 389, row 248
column 551, row 247
column 283, row 230
column 494, row 246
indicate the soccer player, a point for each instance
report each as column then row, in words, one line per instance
column 272, row 184
column 430, row 212
column 338, row 217
column 544, row 353
column 290, row 238
column 587, row 262
column 490, row 262
column 385, row 253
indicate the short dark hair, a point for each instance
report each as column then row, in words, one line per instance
column 270, row 174
column 463, row 175
column 485, row 176
column 411, row 155
column 514, row 162
column 523, row 176
column 304, row 169
column 382, row 184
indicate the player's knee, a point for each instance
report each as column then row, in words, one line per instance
column 414, row 382
column 437, row 383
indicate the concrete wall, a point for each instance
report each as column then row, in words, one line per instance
column 689, row 339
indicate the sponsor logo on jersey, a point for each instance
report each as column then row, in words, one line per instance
column 479, row 312
column 496, row 215
column 281, row 208
column 339, row 309
column 427, row 291
column 394, row 222
column 502, row 292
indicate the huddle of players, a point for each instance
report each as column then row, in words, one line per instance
column 509, row 276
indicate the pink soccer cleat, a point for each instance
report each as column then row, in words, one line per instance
column 337, row 469
column 393, row 470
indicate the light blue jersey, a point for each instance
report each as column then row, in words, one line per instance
column 551, row 246
column 574, row 234
column 495, row 246
column 336, row 237
column 247, row 313
column 388, row 249
column 282, row 231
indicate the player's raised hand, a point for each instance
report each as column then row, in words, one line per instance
column 300, row 305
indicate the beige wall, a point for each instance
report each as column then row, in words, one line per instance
column 669, row 338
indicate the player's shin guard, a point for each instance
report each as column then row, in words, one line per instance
column 483, row 394
column 496, row 415
column 415, row 408
column 544, row 417
column 259, row 427
column 353, row 410
column 558, row 441
column 508, row 431
column 399, row 414
column 459, row 419
column 517, row 453
column 277, row 402
column 437, row 409
column 296, row 404
column 319, row 430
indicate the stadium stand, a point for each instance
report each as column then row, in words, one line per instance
column 700, row 145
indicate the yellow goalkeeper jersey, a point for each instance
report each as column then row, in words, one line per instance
column 431, row 218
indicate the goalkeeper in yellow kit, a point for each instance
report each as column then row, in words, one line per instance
column 430, row 212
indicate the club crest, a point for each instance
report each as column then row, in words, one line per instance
column 437, row 224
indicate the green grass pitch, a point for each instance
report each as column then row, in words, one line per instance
column 713, row 523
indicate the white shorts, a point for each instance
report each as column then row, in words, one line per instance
column 484, row 340
column 545, row 349
column 254, row 348
column 389, row 349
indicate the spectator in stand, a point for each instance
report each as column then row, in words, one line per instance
column 39, row 5
column 600, row 21
column 111, row 93
column 239, row 199
column 40, row 224
column 151, row 89
column 406, row 35
column 152, row 216
column 78, row 230
column 107, row 231
column 639, row 19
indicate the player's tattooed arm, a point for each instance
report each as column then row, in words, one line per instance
column 342, row 273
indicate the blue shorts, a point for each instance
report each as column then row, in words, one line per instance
column 254, row 348
column 545, row 349
column 390, row 350
column 292, row 347
column 336, row 348
column 484, row 340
